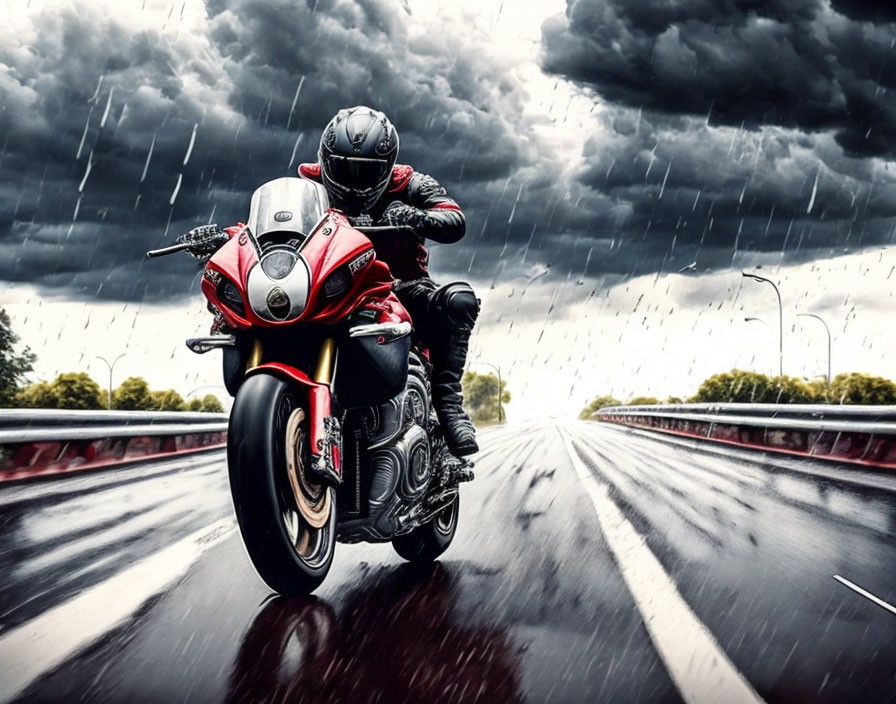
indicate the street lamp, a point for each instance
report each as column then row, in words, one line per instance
column 827, row 330
column 500, row 390
column 756, row 277
column 111, row 367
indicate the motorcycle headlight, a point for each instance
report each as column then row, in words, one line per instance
column 230, row 295
column 278, row 264
column 337, row 283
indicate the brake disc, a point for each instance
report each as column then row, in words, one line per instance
column 312, row 499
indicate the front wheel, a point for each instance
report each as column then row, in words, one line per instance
column 425, row 543
column 288, row 523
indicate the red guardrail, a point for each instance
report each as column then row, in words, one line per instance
column 868, row 444
column 41, row 445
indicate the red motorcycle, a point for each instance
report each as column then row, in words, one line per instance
column 332, row 434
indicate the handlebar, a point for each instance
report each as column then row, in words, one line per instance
column 385, row 229
column 153, row 253
column 367, row 230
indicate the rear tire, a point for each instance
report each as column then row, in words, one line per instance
column 425, row 543
column 290, row 556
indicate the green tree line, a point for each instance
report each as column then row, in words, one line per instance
column 738, row 386
column 76, row 390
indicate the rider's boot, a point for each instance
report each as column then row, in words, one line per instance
column 448, row 366
column 446, row 315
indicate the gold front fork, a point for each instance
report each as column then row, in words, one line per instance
column 255, row 355
column 323, row 373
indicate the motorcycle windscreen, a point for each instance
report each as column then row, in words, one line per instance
column 289, row 207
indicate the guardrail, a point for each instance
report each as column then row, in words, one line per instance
column 36, row 443
column 863, row 435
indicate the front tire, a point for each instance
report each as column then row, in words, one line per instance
column 425, row 543
column 291, row 555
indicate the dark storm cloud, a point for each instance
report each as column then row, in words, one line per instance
column 866, row 10
column 458, row 110
column 102, row 110
column 101, row 114
column 98, row 119
column 796, row 63
column 734, row 131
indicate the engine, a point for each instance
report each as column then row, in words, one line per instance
column 397, row 462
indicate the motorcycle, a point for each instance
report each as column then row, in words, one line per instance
column 332, row 434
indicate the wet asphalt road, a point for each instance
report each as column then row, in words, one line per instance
column 533, row 601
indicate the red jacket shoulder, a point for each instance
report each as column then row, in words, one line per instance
column 401, row 176
column 310, row 171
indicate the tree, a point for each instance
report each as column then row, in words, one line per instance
column 168, row 400
column 78, row 391
column 862, row 389
column 481, row 396
column 600, row 402
column 732, row 387
column 74, row 390
column 211, row 404
column 738, row 386
column 643, row 401
column 789, row 389
column 820, row 390
column 38, row 395
column 13, row 365
column 132, row 395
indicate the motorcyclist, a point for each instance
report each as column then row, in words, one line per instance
column 356, row 165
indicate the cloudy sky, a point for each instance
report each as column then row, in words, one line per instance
column 619, row 161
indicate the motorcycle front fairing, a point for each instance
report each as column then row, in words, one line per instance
column 327, row 280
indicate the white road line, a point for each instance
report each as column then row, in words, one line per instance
column 43, row 643
column 697, row 664
column 868, row 595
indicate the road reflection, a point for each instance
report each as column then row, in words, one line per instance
column 394, row 639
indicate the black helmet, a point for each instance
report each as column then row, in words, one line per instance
column 357, row 151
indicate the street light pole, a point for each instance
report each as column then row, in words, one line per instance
column 500, row 390
column 111, row 367
column 827, row 330
column 756, row 277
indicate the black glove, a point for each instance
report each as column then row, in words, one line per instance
column 362, row 220
column 398, row 214
column 204, row 241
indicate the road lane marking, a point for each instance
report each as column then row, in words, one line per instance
column 46, row 641
column 868, row 595
column 696, row 662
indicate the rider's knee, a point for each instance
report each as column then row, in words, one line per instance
column 458, row 303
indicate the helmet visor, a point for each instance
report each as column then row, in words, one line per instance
column 356, row 175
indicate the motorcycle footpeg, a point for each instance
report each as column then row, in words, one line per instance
column 463, row 474
column 458, row 470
